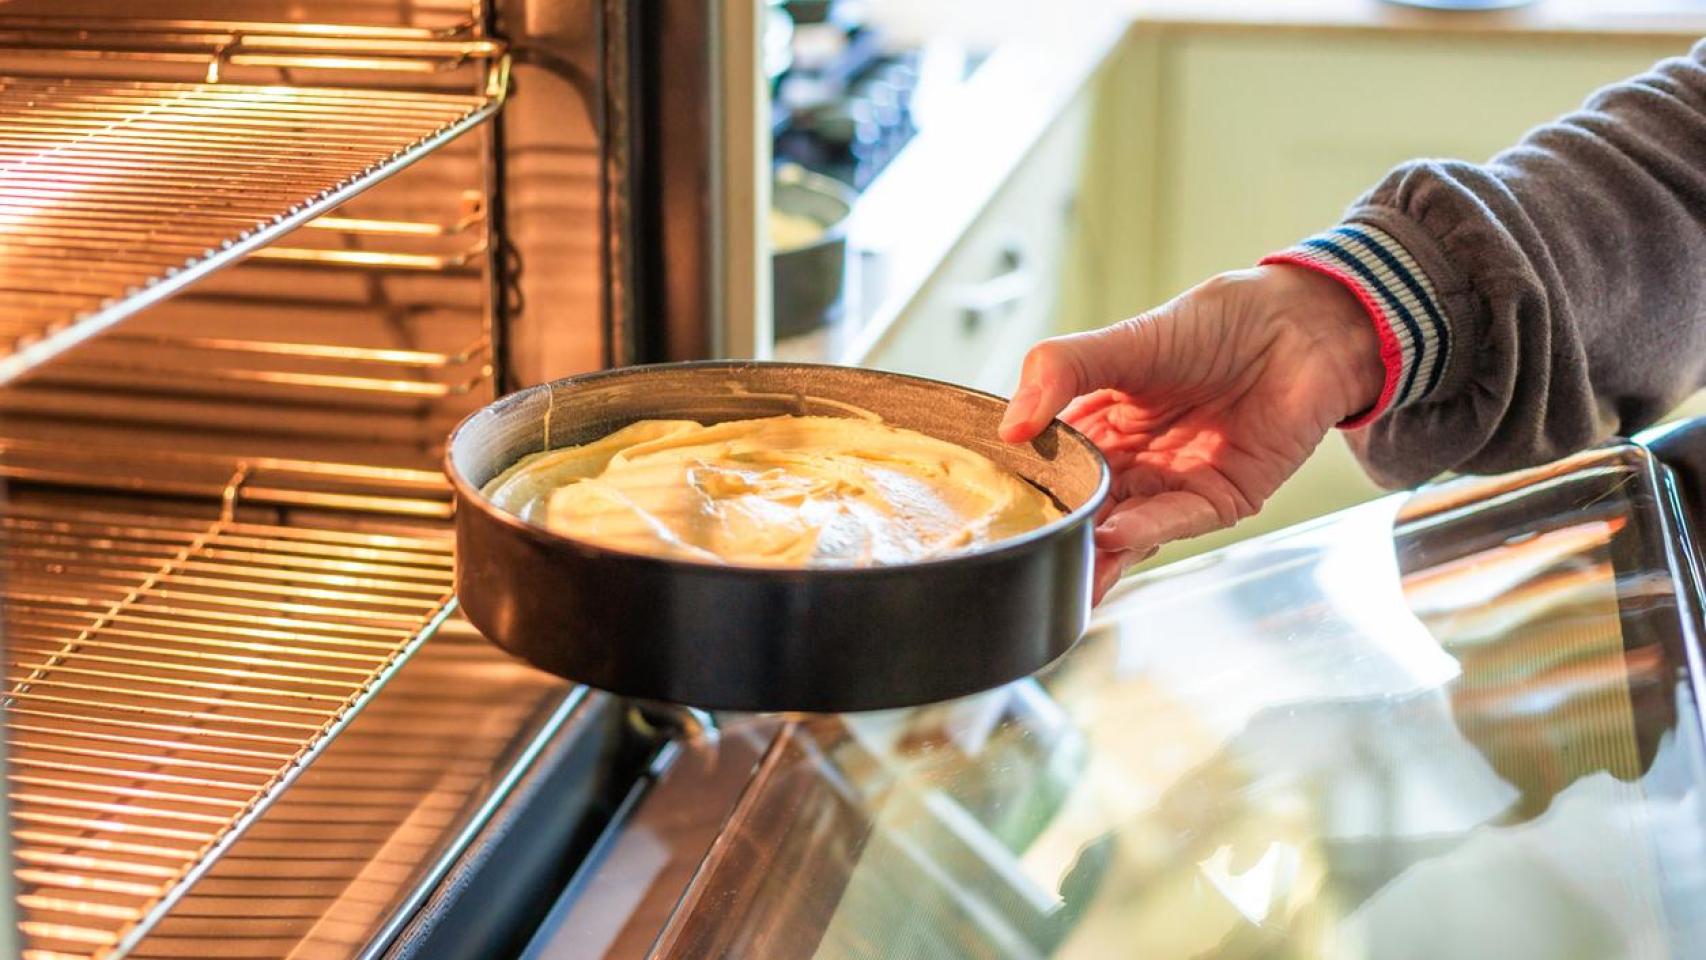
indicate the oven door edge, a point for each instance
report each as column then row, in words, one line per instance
column 494, row 885
column 1679, row 450
column 641, row 871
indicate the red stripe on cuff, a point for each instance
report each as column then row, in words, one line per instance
column 1391, row 353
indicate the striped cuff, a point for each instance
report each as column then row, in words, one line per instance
column 1415, row 340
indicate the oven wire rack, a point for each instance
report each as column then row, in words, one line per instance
column 167, row 678
column 115, row 194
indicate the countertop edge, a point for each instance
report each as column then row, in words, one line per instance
column 1041, row 79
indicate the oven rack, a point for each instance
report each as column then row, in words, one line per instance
column 114, row 195
column 208, row 365
column 168, row 676
column 275, row 482
column 419, row 345
column 213, row 45
column 349, row 242
column 376, row 811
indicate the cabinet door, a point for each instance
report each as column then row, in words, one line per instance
column 994, row 294
column 1267, row 138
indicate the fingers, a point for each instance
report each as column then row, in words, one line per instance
column 1110, row 567
column 1142, row 523
column 1089, row 404
column 1061, row 368
column 1134, row 530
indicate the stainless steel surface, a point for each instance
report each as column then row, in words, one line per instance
column 493, row 896
column 1461, row 723
column 553, row 161
column 668, row 288
column 119, row 193
column 168, row 675
column 687, row 186
column 647, row 860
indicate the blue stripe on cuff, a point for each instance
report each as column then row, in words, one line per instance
column 1442, row 331
column 1368, row 276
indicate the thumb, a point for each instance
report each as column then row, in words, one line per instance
column 1062, row 368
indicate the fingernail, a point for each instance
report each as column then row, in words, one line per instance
column 1107, row 536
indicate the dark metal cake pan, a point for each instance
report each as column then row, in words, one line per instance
column 728, row 637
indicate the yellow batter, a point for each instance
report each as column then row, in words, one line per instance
column 779, row 491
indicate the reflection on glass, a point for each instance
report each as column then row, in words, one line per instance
column 1456, row 726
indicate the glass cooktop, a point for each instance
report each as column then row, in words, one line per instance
column 1457, row 724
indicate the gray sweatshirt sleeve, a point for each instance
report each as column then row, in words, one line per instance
column 1542, row 302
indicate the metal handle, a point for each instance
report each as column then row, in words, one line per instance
column 999, row 293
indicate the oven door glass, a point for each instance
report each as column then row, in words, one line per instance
column 1457, row 724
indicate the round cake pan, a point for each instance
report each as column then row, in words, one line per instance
column 766, row 639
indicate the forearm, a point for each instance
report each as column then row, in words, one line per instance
column 1542, row 302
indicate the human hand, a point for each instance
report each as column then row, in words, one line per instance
column 1206, row 404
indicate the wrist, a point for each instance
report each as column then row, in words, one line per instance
column 1339, row 331
column 1397, row 297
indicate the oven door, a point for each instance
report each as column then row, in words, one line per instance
column 1463, row 722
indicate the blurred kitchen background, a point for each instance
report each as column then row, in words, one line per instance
column 958, row 179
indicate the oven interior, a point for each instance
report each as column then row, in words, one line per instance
column 248, row 282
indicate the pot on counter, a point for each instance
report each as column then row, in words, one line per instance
column 808, row 259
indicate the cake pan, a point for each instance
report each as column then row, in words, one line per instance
column 744, row 638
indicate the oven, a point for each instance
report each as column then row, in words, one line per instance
column 256, row 258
